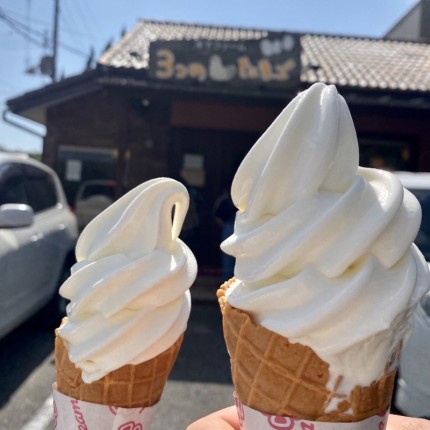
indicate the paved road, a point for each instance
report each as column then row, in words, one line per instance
column 199, row 383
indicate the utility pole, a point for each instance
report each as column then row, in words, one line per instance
column 55, row 41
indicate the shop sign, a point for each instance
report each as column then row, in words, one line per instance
column 273, row 61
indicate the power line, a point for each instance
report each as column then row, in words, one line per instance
column 55, row 41
column 26, row 31
column 20, row 25
column 73, row 50
column 27, row 47
column 65, row 28
column 93, row 16
column 21, row 15
column 64, row 18
column 48, row 62
column 68, row 17
column 12, row 48
column 85, row 21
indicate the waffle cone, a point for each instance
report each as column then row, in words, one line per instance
column 277, row 377
column 128, row 387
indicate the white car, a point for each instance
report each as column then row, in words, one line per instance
column 38, row 233
column 419, row 184
column 93, row 197
column 412, row 396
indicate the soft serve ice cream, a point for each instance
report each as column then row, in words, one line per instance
column 129, row 290
column 324, row 248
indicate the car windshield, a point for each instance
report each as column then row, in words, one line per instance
column 423, row 237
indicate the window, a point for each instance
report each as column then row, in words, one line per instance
column 12, row 184
column 387, row 153
column 40, row 189
column 95, row 190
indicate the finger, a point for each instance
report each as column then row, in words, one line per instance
column 397, row 422
column 225, row 419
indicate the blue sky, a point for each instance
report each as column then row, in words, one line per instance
column 92, row 23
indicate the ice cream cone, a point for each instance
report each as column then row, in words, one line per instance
column 128, row 387
column 277, row 377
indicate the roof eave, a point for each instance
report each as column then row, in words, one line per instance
column 33, row 104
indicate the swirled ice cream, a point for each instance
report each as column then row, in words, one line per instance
column 129, row 290
column 324, row 248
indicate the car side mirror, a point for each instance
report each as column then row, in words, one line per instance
column 15, row 215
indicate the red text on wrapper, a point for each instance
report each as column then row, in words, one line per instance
column 76, row 414
column 286, row 423
column 240, row 411
column 251, row 419
column 114, row 410
column 131, row 425
column 79, row 417
column 55, row 418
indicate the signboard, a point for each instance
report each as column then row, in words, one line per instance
column 273, row 61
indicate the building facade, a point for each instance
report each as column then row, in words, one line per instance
column 189, row 101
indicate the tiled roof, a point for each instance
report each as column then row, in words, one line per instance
column 344, row 61
column 369, row 63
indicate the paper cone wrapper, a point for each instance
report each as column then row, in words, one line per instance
column 72, row 414
column 279, row 378
column 250, row 419
column 130, row 386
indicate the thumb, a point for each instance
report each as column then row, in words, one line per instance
column 225, row 419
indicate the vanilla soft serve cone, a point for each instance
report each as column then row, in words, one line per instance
column 326, row 273
column 129, row 300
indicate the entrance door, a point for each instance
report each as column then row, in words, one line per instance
column 208, row 160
